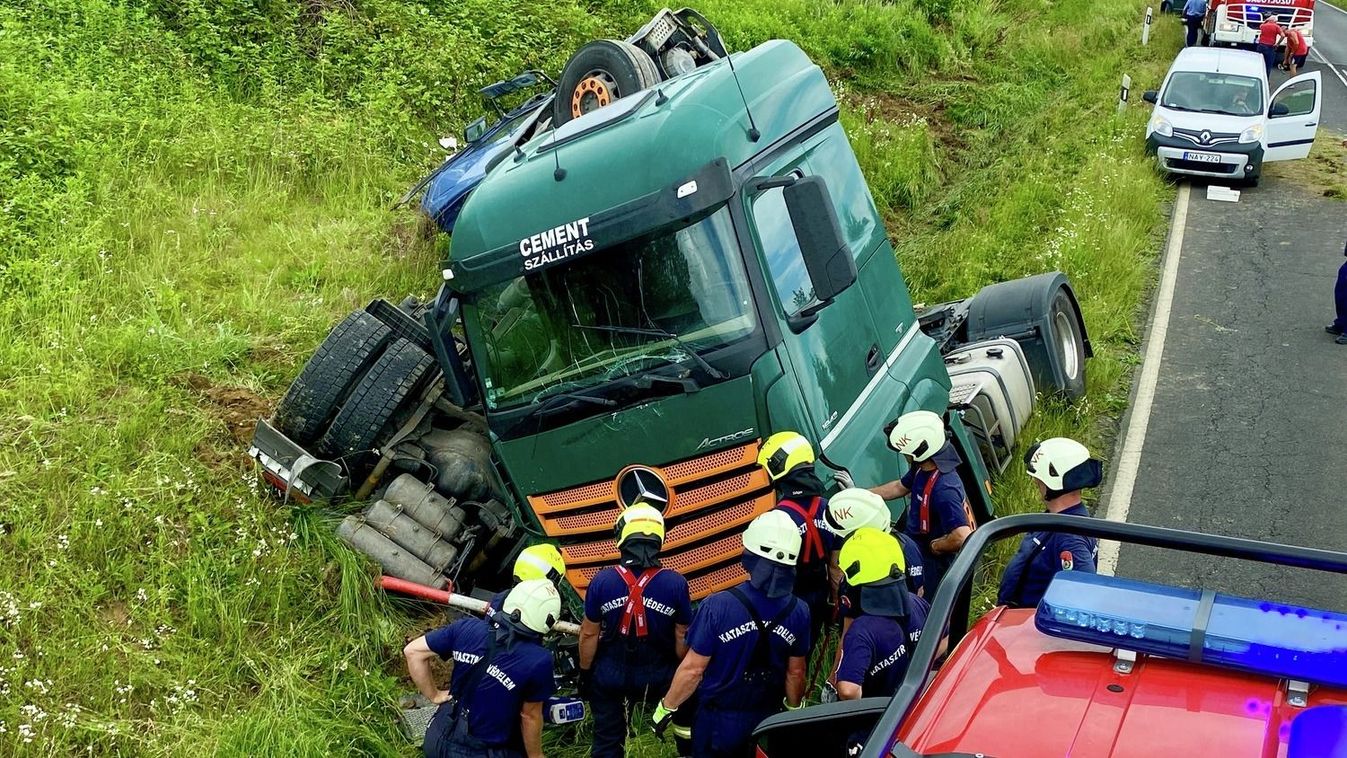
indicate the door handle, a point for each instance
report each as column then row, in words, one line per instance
column 872, row 359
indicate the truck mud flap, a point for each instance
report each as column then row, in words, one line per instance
column 291, row 469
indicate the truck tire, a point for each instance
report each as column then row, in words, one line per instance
column 1041, row 314
column 377, row 403
column 599, row 73
column 321, row 387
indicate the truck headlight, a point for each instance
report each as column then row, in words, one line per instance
column 1252, row 134
column 1161, row 126
column 1227, row 26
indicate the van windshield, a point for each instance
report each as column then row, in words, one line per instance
column 614, row 313
column 1205, row 92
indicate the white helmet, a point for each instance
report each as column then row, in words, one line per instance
column 774, row 536
column 538, row 603
column 919, row 434
column 853, row 508
column 1062, row 465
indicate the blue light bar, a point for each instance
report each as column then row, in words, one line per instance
column 1202, row 627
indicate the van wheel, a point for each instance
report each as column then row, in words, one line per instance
column 599, row 73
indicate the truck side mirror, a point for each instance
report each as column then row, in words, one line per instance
column 440, row 318
column 1151, row 96
column 827, row 257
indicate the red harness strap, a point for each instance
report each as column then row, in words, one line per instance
column 633, row 613
column 924, row 513
column 813, row 541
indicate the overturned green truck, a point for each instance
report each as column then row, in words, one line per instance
column 634, row 300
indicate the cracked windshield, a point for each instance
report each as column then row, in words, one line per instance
column 615, row 313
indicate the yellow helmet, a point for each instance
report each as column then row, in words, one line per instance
column 539, row 562
column 639, row 518
column 870, row 555
column 783, row 452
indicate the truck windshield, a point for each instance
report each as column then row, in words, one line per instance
column 1206, row 92
column 614, row 313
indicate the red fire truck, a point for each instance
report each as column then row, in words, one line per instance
column 1236, row 23
column 1105, row 666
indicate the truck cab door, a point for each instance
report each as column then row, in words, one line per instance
column 828, row 354
column 1290, row 134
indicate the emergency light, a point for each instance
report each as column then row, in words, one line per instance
column 1197, row 625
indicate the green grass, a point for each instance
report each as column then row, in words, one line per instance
column 193, row 191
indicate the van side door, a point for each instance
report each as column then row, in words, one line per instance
column 1291, row 132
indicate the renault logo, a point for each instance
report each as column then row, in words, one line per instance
column 1206, row 136
column 642, row 484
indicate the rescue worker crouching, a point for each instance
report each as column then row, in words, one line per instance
column 501, row 676
column 938, row 516
column 634, row 630
column 1061, row 467
column 541, row 561
column 747, row 647
column 788, row 459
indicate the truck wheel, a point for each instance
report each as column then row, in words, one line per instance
column 1069, row 345
column 1041, row 314
column 316, row 394
column 599, row 73
column 374, row 407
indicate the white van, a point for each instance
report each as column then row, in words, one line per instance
column 1215, row 117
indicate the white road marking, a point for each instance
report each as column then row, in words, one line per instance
column 1334, row 7
column 1129, row 456
column 1337, row 71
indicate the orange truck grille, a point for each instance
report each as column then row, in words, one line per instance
column 713, row 499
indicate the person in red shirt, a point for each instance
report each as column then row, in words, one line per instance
column 1297, row 50
column 1270, row 35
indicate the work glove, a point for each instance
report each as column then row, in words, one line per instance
column 584, row 682
column 662, row 717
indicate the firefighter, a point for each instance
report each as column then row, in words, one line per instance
column 501, row 676
column 879, row 642
column 541, row 561
column 747, row 647
column 853, row 508
column 788, row 459
column 1339, row 326
column 1061, row 468
column 634, row 630
column 938, row 517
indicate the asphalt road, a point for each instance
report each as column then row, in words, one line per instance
column 1246, row 433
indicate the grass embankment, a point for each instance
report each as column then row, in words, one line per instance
column 192, row 192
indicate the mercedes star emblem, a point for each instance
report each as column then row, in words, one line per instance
column 642, row 484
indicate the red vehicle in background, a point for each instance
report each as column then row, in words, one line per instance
column 1235, row 24
column 1106, row 666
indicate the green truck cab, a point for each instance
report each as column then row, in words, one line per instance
column 633, row 301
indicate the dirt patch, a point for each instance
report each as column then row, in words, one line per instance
column 115, row 614
column 237, row 408
column 1321, row 173
column 899, row 109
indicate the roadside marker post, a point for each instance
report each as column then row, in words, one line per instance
column 1146, row 28
column 1122, row 93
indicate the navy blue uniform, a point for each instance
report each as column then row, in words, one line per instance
column 495, row 604
column 745, row 680
column 939, row 505
column 1042, row 555
column 811, row 572
column 876, row 649
column 916, row 578
column 631, row 666
column 1340, row 298
column 482, row 719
